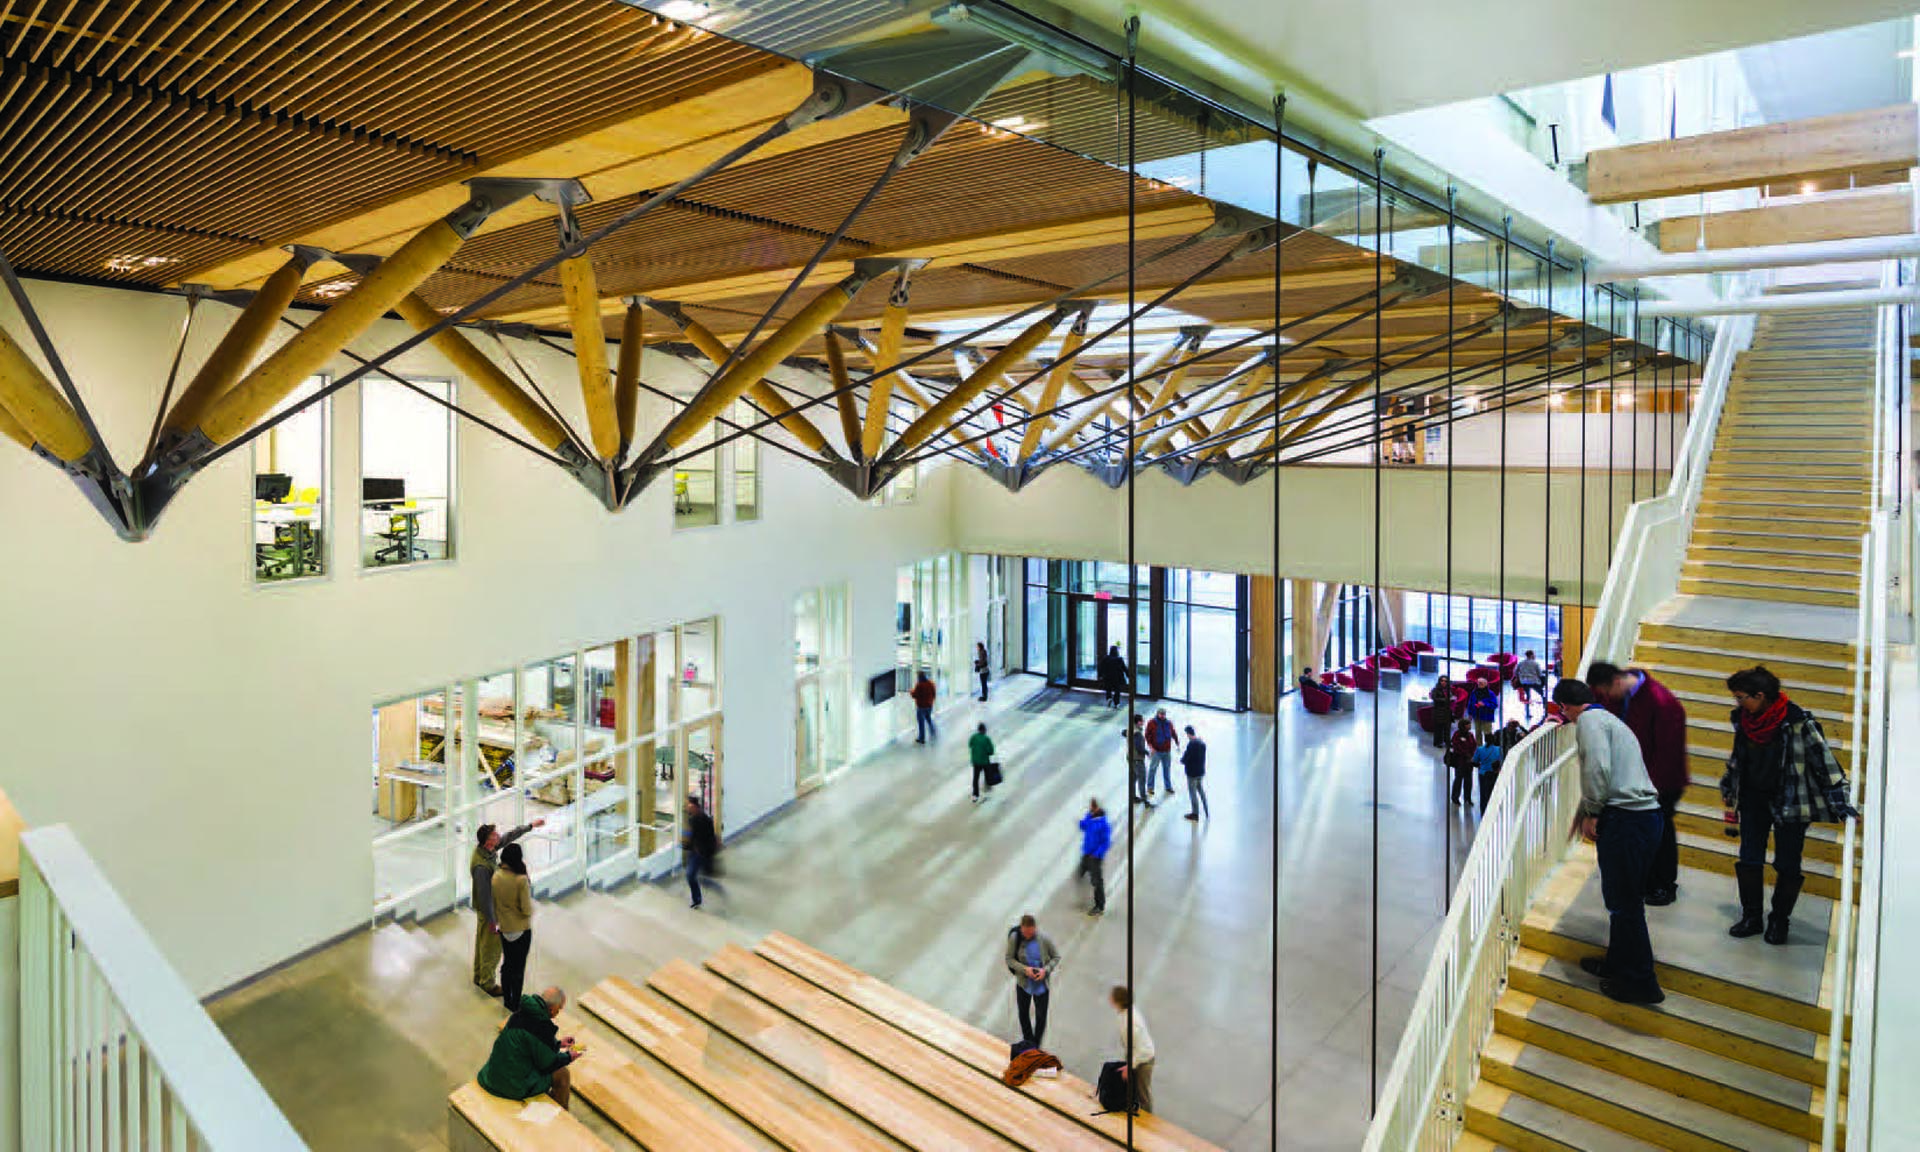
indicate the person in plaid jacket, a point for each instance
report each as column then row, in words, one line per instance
column 1781, row 777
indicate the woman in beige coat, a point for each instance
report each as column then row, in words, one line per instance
column 513, row 909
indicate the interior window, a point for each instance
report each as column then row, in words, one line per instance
column 406, row 473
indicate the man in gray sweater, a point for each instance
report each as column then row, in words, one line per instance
column 487, row 842
column 1620, row 815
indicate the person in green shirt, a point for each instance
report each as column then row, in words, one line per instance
column 530, row 1057
column 980, row 751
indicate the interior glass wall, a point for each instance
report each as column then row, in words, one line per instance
column 823, row 684
column 406, row 472
column 290, row 499
column 1468, row 629
column 601, row 745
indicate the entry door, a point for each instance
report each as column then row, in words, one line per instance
column 1089, row 626
column 810, row 768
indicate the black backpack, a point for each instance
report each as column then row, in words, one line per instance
column 1115, row 1091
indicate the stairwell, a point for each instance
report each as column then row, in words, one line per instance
column 1736, row 1057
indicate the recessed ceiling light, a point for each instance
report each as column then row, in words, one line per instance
column 1019, row 124
column 133, row 262
column 332, row 288
column 685, row 11
column 1807, row 188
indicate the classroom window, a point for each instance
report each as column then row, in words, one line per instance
column 696, row 501
column 719, row 483
column 406, row 472
column 290, row 491
column 902, row 488
column 746, row 468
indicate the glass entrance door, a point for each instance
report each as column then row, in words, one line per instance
column 1100, row 624
column 1089, row 626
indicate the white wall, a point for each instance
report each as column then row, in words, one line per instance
column 207, row 739
column 1326, row 525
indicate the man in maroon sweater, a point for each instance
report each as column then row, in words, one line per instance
column 1659, row 720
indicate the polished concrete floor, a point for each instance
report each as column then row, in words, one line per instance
column 891, row 868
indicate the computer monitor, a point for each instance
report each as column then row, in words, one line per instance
column 382, row 490
column 273, row 487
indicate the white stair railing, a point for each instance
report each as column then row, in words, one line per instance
column 116, row 1053
column 1526, row 828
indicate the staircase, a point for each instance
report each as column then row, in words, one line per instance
column 1736, row 1057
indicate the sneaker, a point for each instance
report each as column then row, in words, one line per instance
column 1193, row 816
column 695, row 906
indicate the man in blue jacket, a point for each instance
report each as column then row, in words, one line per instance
column 1096, row 836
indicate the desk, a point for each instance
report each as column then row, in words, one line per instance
column 401, row 786
column 1389, row 680
column 1429, row 662
column 404, row 540
column 298, row 521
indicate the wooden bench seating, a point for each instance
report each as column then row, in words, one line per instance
column 1025, row 1122
column 646, row 1106
column 875, row 1094
column 478, row 1121
column 754, row 1089
column 977, row 1049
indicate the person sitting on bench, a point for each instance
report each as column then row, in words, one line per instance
column 530, row 1057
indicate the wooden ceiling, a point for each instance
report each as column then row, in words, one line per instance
column 156, row 142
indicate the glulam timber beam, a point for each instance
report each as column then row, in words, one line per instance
column 844, row 400
column 948, row 408
column 1816, row 148
column 626, row 383
column 590, row 352
column 642, row 153
column 477, row 368
column 36, row 413
column 1058, row 374
column 239, row 345
column 757, row 389
column 1882, row 212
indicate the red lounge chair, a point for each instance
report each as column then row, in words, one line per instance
column 1315, row 700
column 1423, row 716
column 1502, row 662
column 1344, row 678
column 1365, row 679
column 1327, row 679
column 1419, row 646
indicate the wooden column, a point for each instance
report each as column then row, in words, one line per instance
column 647, row 668
column 1575, row 622
column 1306, row 653
column 1263, row 672
column 399, row 730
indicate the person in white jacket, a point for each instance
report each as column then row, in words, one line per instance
column 1136, row 1047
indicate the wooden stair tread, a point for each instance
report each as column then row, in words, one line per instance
column 645, row 1106
column 506, row 1125
column 1016, row 1116
column 980, row 1050
column 794, row 1116
column 1527, row 1125
column 897, row 1108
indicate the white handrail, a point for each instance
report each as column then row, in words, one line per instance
column 1526, row 827
column 115, row 1049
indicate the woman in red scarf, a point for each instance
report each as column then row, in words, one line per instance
column 1781, row 777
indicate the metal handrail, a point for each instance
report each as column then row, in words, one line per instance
column 1527, row 825
column 113, row 1040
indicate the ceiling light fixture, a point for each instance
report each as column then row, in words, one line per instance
column 330, row 289
column 685, row 11
column 135, row 263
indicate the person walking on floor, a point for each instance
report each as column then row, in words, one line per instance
column 1620, row 815
column 513, row 911
column 980, row 668
column 923, row 693
column 1136, row 736
column 1781, row 777
column 1032, row 958
column 1136, row 1047
column 1194, row 760
column 1659, row 721
column 1486, row 765
column 1460, row 758
column 1096, row 837
column 488, row 841
column 1442, row 698
column 1112, row 673
column 1161, row 739
column 701, row 843
column 1483, row 705
column 980, row 753
column 1528, row 679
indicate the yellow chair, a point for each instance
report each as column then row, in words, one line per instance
column 402, row 547
column 682, row 493
column 307, row 496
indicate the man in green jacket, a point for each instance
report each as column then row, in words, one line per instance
column 980, row 751
column 530, row 1057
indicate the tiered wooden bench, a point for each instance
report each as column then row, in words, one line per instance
column 799, row 1051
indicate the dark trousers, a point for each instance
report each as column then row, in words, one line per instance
column 1487, row 781
column 1033, row 1029
column 1094, row 869
column 1113, row 696
column 979, row 774
column 1197, row 797
column 696, row 864
column 923, row 719
column 1461, row 790
column 513, row 968
column 1788, row 842
column 1442, row 728
column 983, row 684
column 1666, row 858
column 1625, row 845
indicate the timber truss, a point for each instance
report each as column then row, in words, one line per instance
column 1170, row 351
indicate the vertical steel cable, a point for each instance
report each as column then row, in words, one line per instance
column 1585, row 365
column 1633, row 476
column 1133, row 627
column 1279, row 598
column 1613, row 404
column 1379, row 352
column 1546, row 477
column 1506, row 337
column 1446, row 827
